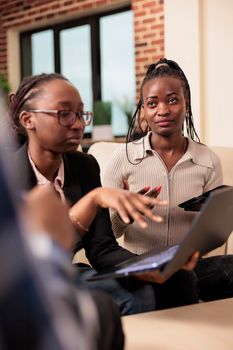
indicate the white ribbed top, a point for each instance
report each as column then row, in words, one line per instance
column 198, row 171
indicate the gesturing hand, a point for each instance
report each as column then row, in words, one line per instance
column 129, row 205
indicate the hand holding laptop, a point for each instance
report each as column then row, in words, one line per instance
column 156, row 277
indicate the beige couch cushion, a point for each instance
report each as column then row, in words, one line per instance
column 102, row 151
column 226, row 156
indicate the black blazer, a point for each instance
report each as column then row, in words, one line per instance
column 81, row 176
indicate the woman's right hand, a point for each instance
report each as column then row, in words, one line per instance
column 156, row 277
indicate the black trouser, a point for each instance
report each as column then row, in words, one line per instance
column 215, row 277
column 179, row 290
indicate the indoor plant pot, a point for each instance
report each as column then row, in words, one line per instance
column 102, row 127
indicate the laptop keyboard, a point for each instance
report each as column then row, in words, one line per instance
column 151, row 261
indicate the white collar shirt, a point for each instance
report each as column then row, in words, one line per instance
column 58, row 181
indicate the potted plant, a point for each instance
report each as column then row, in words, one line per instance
column 4, row 89
column 127, row 107
column 102, row 128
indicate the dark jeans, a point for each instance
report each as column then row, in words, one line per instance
column 134, row 296
column 215, row 277
column 130, row 295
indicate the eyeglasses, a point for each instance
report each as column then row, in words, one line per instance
column 66, row 117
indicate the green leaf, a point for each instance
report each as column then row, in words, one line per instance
column 102, row 113
column 4, row 85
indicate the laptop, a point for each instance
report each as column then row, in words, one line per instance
column 209, row 230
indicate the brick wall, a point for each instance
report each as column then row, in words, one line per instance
column 149, row 34
column 148, row 21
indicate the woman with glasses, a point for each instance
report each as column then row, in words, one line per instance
column 48, row 113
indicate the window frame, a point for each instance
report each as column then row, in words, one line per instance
column 94, row 22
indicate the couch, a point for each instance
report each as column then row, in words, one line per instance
column 102, row 150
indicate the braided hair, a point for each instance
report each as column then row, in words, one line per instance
column 162, row 68
column 29, row 88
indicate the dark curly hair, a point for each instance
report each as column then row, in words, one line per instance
column 29, row 88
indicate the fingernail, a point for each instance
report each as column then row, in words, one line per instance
column 158, row 218
column 126, row 220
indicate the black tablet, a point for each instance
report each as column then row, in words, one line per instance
column 195, row 203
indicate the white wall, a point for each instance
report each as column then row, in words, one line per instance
column 198, row 35
column 182, row 44
column 218, row 49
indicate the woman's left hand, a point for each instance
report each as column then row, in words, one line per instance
column 129, row 205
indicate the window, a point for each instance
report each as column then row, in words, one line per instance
column 96, row 54
column 117, row 69
column 75, row 52
column 40, row 62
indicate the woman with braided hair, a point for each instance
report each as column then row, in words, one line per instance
column 136, row 129
column 168, row 153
